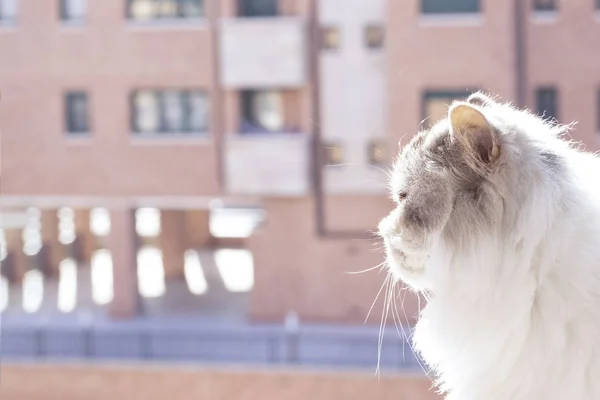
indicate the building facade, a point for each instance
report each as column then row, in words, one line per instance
column 114, row 109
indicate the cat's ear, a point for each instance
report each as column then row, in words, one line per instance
column 479, row 99
column 472, row 129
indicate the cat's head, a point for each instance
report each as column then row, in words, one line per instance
column 448, row 183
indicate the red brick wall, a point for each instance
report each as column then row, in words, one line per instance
column 78, row 382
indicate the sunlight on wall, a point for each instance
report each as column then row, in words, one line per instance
column 33, row 290
column 66, row 225
column 236, row 267
column 67, row 285
column 194, row 275
column 3, row 293
column 102, row 277
column 147, row 222
column 100, row 221
column 32, row 234
column 237, row 223
column 151, row 273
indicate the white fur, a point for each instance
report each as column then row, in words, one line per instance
column 516, row 314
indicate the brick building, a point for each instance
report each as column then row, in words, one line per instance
column 292, row 108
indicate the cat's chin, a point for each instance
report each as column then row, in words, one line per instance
column 409, row 269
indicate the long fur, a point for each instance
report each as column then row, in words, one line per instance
column 512, row 269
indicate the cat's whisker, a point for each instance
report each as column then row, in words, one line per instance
column 376, row 297
column 384, row 317
column 380, row 266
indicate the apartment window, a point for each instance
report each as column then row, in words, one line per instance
column 145, row 10
column 449, row 6
column 435, row 104
column 544, row 5
column 169, row 111
column 257, row 8
column 546, row 99
column 77, row 113
column 262, row 111
column 377, row 152
column 374, row 36
column 8, row 11
column 330, row 38
column 73, row 10
column 334, row 154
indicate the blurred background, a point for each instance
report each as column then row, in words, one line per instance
column 189, row 188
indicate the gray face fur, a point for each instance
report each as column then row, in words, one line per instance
column 465, row 175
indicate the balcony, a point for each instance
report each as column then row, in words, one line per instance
column 268, row 164
column 263, row 52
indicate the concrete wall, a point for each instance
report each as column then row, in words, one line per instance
column 76, row 382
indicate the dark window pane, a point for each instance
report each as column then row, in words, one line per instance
column 8, row 10
column 374, row 36
column 146, row 114
column 198, row 113
column 334, row 154
column 73, row 10
column 544, row 5
column 449, row 6
column 330, row 37
column 435, row 103
column 262, row 111
column 172, row 110
column 76, row 107
column 257, row 8
column 547, row 103
column 377, row 152
column 191, row 8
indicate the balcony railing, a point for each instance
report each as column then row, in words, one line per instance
column 267, row 164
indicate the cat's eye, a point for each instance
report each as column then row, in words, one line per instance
column 402, row 196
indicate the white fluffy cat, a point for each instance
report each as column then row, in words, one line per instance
column 498, row 220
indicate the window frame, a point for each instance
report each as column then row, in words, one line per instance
column 368, row 45
column 64, row 16
column 179, row 17
column 450, row 93
column 185, row 103
column 424, row 11
column 539, row 6
column 327, row 145
column 552, row 90
column 69, row 117
column 13, row 19
column 242, row 6
column 247, row 99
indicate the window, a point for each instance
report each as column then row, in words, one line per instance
column 330, row 38
column 145, row 10
column 257, row 8
column 546, row 99
column 374, row 36
column 169, row 111
column 449, row 6
column 435, row 104
column 544, row 5
column 334, row 154
column 77, row 113
column 377, row 152
column 73, row 10
column 8, row 11
column 262, row 111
